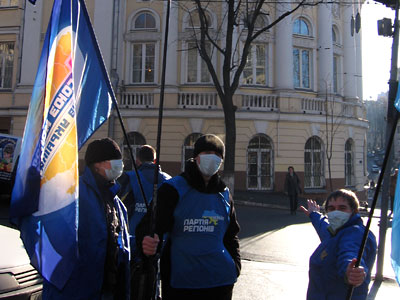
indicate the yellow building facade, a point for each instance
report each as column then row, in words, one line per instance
column 301, row 85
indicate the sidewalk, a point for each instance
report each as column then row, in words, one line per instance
column 387, row 289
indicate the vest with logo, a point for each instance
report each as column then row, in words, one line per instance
column 199, row 258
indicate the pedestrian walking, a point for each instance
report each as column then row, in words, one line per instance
column 292, row 189
column 201, row 258
column 332, row 265
column 102, row 270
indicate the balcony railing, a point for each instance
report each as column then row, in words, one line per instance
column 197, row 100
column 313, row 105
column 260, row 102
column 137, row 99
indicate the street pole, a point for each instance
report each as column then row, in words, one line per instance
column 391, row 119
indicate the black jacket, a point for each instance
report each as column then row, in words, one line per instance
column 168, row 199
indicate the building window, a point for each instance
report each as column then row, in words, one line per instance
column 259, row 163
column 313, row 163
column 193, row 20
column 188, row 146
column 197, row 71
column 145, row 21
column 136, row 140
column 335, row 79
column 255, row 71
column 349, row 163
column 301, row 27
column 301, row 68
column 6, row 64
column 143, row 62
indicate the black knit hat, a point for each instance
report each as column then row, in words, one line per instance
column 209, row 142
column 102, row 150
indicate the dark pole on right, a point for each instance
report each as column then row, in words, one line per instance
column 391, row 122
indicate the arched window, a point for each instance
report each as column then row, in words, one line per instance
column 193, row 19
column 301, row 27
column 260, row 163
column 260, row 22
column 302, row 57
column 313, row 163
column 188, row 146
column 135, row 141
column 145, row 20
column 349, row 163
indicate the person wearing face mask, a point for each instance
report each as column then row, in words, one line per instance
column 201, row 259
column 332, row 265
column 102, row 270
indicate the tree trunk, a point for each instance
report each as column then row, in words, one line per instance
column 230, row 142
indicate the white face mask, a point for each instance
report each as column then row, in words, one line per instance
column 117, row 167
column 337, row 218
column 209, row 164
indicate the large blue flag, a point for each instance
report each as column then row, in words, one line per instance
column 395, row 254
column 71, row 98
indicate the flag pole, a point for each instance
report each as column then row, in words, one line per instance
column 160, row 118
column 392, row 119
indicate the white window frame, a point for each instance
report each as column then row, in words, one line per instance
column 199, row 64
column 6, row 72
column 143, row 62
column 254, row 66
column 310, row 68
column 310, row 182
column 259, row 152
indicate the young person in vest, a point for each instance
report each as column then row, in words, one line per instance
column 332, row 265
column 201, row 258
column 102, row 271
column 133, row 199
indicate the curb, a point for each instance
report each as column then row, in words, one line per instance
column 258, row 204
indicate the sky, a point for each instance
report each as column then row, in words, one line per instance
column 376, row 50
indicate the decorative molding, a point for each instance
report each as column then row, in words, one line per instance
column 196, row 124
column 261, row 126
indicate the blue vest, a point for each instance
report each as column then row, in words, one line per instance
column 199, row 258
column 140, row 207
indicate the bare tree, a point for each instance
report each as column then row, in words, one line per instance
column 333, row 121
column 240, row 18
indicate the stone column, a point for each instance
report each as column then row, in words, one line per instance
column 31, row 45
column 172, row 53
column 349, row 59
column 283, row 49
column 325, row 49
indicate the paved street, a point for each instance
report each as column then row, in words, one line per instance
column 275, row 249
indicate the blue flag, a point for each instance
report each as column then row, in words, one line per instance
column 71, row 98
column 395, row 255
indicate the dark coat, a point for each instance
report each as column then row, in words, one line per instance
column 292, row 184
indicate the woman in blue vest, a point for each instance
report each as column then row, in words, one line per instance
column 201, row 259
column 332, row 265
column 102, row 270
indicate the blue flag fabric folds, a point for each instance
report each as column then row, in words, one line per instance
column 395, row 254
column 71, row 98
